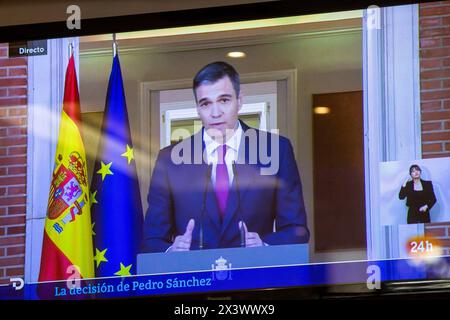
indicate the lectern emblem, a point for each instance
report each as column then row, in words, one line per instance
column 221, row 270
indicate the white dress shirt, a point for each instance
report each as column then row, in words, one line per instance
column 230, row 156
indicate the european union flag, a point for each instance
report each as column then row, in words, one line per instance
column 115, row 199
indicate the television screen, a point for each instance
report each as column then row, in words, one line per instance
column 276, row 150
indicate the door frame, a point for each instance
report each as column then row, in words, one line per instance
column 392, row 115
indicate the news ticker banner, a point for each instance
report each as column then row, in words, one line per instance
column 372, row 273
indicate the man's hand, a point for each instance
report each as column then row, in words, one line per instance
column 183, row 242
column 423, row 208
column 252, row 239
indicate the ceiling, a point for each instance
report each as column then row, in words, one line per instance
column 226, row 34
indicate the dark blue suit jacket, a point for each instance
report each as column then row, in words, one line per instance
column 179, row 192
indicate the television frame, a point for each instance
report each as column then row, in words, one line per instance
column 234, row 13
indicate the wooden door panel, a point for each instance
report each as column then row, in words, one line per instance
column 338, row 152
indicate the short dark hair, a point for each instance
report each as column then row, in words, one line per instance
column 215, row 71
column 414, row 166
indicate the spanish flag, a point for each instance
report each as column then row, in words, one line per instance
column 67, row 245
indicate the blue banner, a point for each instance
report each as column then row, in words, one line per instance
column 371, row 273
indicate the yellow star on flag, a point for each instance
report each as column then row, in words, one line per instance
column 93, row 200
column 100, row 256
column 124, row 271
column 93, row 232
column 105, row 170
column 129, row 154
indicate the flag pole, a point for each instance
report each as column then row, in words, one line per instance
column 114, row 45
column 70, row 48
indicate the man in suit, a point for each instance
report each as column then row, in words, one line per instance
column 218, row 188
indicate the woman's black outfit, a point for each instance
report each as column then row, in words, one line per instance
column 417, row 199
